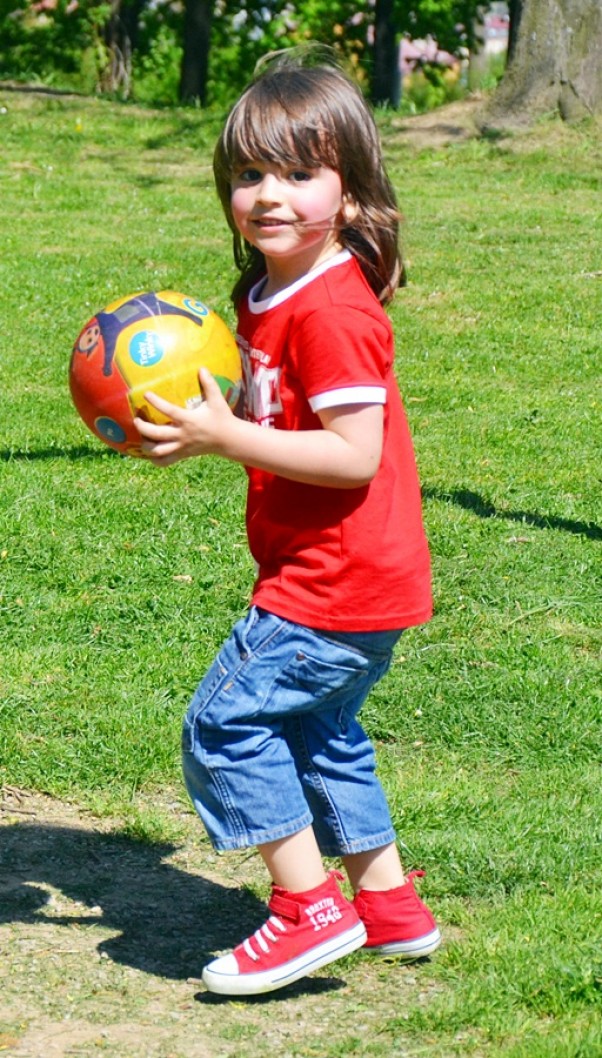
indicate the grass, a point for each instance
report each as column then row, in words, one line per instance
column 118, row 582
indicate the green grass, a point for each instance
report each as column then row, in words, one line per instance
column 118, row 581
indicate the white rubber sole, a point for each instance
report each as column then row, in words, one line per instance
column 224, row 982
column 408, row 950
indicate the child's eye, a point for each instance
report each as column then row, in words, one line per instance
column 298, row 176
column 248, row 175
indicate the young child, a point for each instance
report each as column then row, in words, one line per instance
column 273, row 753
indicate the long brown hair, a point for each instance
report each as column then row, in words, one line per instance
column 314, row 115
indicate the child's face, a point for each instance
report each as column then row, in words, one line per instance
column 291, row 214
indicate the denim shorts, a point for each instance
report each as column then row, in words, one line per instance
column 271, row 743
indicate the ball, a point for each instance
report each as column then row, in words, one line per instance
column 148, row 341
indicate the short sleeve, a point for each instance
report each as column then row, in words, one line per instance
column 343, row 355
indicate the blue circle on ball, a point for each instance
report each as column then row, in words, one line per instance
column 146, row 348
column 110, row 430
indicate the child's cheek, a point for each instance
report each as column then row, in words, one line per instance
column 239, row 206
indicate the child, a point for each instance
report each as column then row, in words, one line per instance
column 273, row 754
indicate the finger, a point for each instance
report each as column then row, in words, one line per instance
column 208, row 384
column 212, row 391
column 172, row 411
column 165, row 460
column 155, row 431
column 150, row 448
column 158, row 451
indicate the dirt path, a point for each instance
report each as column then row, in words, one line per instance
column 453, row 123
column 103, row 937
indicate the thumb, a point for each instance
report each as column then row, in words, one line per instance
column 208, row 384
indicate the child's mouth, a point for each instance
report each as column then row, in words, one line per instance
column 271, row 222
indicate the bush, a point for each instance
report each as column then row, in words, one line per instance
column 429, row 88
column 156, row 72
column 48, row 45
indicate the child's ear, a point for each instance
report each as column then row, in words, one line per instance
column 349, row 209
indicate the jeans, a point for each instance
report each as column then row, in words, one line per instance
column 271, row 743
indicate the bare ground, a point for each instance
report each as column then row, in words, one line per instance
column 103, row 938
column 453, row 123
column 465, row 120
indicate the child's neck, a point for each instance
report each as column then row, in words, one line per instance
column 283, row 273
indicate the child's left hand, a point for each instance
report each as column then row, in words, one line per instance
column 190, row 432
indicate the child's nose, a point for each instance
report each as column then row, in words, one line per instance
column 269, row 188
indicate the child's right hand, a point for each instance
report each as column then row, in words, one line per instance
column 190, row 431
column 344, row 453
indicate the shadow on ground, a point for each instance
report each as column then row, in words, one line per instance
column 168, row 921
column 483, row 508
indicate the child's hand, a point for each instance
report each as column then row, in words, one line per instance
column 190, row 432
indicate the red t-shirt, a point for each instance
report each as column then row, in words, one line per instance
column 352, row 560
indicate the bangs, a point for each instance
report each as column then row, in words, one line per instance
column 282, row 131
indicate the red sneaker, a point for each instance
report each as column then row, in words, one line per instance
column 397, row 922
column 304, row 932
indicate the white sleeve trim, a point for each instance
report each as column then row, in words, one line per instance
column 333, row 398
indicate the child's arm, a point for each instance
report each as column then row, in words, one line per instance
column 345, row 454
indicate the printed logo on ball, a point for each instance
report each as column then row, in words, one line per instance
column 146, row 348
column 110, row 430
column 196, row 308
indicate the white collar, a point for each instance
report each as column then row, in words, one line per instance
column 257, row 305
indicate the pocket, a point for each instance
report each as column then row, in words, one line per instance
column 257, row 632
column 308, row 683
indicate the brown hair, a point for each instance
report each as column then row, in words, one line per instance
column 313, row 115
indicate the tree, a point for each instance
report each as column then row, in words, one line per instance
column 364, row 36
column 195, row 59
column 386, row 74
column 450, row 22
column 554, row 63
column 245, row 30
column 120, row 33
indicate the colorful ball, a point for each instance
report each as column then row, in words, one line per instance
column 148, row 342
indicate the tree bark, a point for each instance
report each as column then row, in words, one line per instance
column 554, row 63
column 195, row 60
column 120, row 35
column 386, row 78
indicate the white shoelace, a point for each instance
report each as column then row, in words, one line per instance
column 260, row 936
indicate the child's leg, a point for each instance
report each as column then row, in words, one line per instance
column 377, row 869
column 335, row 761
column 271, row 728
column 294, row 863
column 310, row 924
column 243, row 780
column 397, row 922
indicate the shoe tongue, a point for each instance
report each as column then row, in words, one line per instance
column 284, row 906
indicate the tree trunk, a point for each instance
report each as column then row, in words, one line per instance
column 554, row 63
column 195, row 60
column 515, row 10
column 386, row 79
column 120, row 36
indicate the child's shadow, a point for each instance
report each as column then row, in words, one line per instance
column 169, row 921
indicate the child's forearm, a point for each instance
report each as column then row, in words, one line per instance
column 315, row 457
column 344, row 454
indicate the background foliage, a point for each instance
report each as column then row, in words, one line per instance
column 65, row 44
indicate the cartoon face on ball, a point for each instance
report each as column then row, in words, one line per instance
column 88, row 339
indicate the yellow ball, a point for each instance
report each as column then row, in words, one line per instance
column 148, row 342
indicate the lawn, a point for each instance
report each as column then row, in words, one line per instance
column 118, row 581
